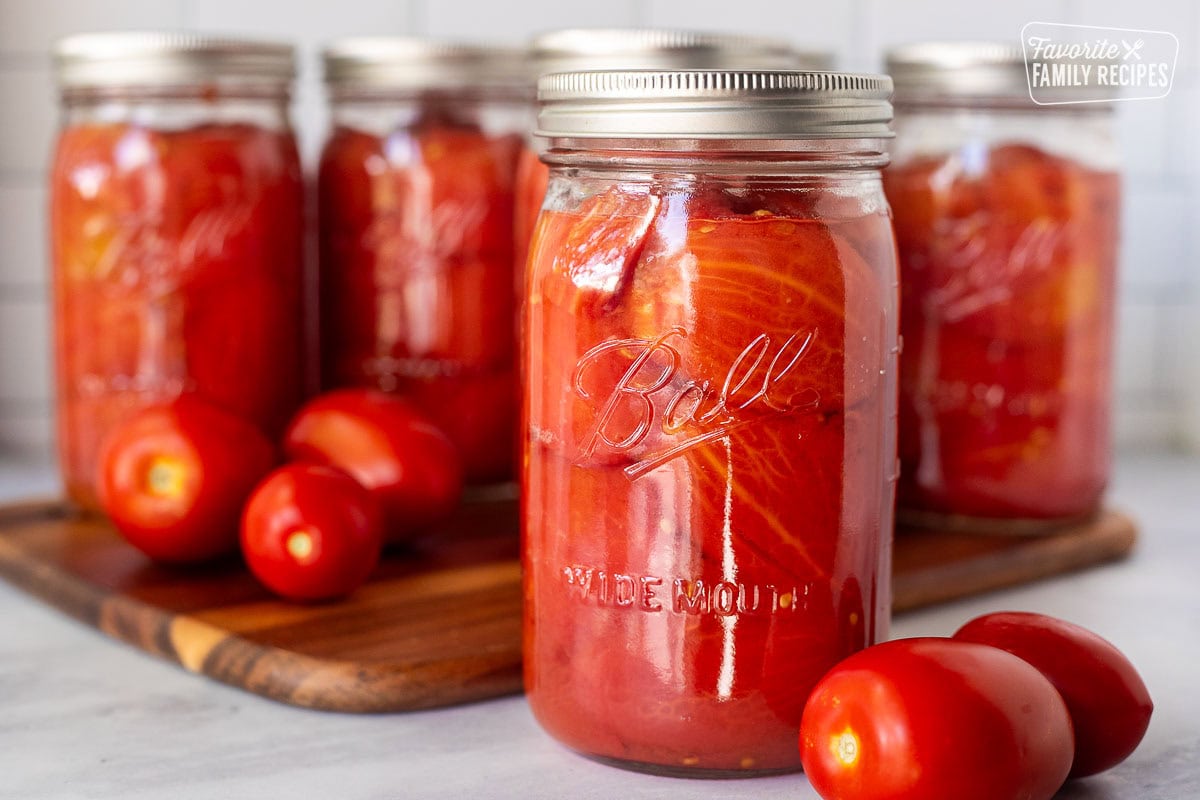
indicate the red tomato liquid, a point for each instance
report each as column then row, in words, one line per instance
column 705, row 500
column 1008, row 272
column 177, row 268
column 416, row 238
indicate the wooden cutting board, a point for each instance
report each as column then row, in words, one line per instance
column 438, row 624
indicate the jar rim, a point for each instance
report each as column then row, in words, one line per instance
column 714, row 104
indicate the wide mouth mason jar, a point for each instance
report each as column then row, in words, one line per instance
column 416, row 233
column 1006, row 221
column 176, row 212
column 576, row 49
column 709, row 415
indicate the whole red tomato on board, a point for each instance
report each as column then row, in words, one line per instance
column 935, row 719
column 1109, row 704
column 173, row 478
column 311, row 532
column 386, row 445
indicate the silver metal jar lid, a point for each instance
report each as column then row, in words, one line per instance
column 577, row 49
column 409, row 63
column 975, row 73
column 961, row 69
column 155, row 59
column 714, row 104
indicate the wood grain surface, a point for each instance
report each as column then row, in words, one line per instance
column 933, row 566
column 438, row 624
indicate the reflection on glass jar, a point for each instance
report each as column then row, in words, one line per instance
column 710, row 412
column 575, row 49
column 176, row 233
column 1006, row 220
column 416, row 234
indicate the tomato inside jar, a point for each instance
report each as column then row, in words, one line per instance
column 709, row 417
column 1006, row 220
column 416, row 195
column 575, row 49
column 176, row 209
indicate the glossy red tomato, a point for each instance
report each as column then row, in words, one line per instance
column 1109, row 704
column 173, row 478
column 311, row 532
column 386, row 445
column 935, row 719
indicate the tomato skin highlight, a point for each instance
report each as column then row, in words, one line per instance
column 389, row 447
column 311, row 532
column 1109, row 704
column 933, row 719
column 173, row 478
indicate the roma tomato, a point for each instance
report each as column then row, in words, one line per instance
column 1109, row 704
column 932, row 719
column 386, row 445
column 173, row 478
column 311, row 532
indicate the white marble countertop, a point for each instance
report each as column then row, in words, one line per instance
column 85, row 717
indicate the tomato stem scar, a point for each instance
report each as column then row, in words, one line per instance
column 165, row 477
column 300, row 546
column 845, row 747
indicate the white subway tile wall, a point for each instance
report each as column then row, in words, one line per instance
column 515, row 21
column 24, row 246
column 1156, row 254
column 29, row 27
column 27, row 97
column 25, row 354
column 1158, row 370
column 884, row 23
column 821, row 26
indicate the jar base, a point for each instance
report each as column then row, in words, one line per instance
column 1015, row 526
column 684, row 771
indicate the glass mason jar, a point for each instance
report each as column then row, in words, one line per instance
column 575, row 49
column 176, row 211
column 709, row 437
column 1006, row 221
column 416, row 234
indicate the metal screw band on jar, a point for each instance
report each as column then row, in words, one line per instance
column 160, row 59
column 653, row 48
column 714, row 104
column 405, row 63
column 965, row 73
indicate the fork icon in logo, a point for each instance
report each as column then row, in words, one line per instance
column 1132, row 49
